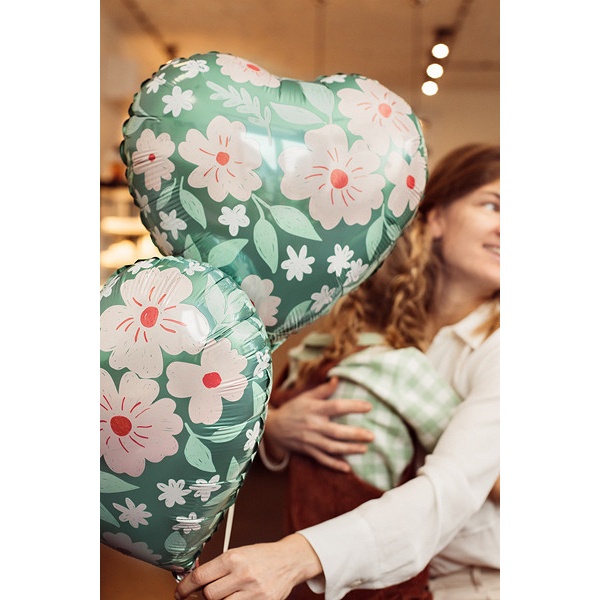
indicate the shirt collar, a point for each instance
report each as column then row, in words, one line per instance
column 467, row 329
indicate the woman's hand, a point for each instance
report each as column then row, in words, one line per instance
column 259, row 572
column 304, row 425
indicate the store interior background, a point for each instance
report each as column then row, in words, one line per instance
column 386, row 40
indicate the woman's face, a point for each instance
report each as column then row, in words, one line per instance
column 469, row 234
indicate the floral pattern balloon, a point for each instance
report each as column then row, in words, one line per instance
column 184, row 382
column 297, row 190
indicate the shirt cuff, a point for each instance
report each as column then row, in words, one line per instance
column 270, row 464
column 343, row 572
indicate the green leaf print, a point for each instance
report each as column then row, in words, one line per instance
column 296, row 114
column 265, row 240
column 198, row 455
column 175, row 543
column 320, row 96
column 243, row 103
column 165, row 196
column 192, row 206
column 191, row 251
column 224, row 253
column 226, row 434
column 134, row 123
column 111, row 484
column 294, row 221
column 295, row 315
column 234, row 470
column 106, row 516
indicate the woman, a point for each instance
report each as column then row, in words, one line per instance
column 442, row 515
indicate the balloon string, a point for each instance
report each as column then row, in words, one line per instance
column 228, row 527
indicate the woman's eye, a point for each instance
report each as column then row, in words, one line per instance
column 493, row 206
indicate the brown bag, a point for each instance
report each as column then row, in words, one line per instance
column 316, row 493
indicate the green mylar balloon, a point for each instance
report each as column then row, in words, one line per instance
column 298, row 190
column 185, row 374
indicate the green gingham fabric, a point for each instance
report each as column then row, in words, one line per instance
column 404, row 390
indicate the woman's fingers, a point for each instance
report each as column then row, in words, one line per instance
column 328, row 460
column 347, row 433
column 341, row 406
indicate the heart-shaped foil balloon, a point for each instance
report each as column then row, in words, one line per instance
column 185, row 375
column 298, row 190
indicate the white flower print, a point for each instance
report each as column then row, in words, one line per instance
column 235, row 218
column 152, row 158
column 178, row 101
column 264, row 362
column 252, row 435
column 133, row 427
column 161, row 240
column 356, row 270
column 259, row 291
column 409, row 181
column 340, row 259
column 108, row 286
column 322, row 298
column 204, row 489
column 193, row 67
column 338, row 78
column 298, row 264
column 241, row 70
column 339, row 182
column 378, row 116
column 194, row 267
column 132, row 514
column 189, row 523
column 152, row 320
column 226, row 160
column 142, row 201
column 218, row 377
column 173, row 492
column 171, row 223
column 139, row 265
column 157, row 80
column 123, row 543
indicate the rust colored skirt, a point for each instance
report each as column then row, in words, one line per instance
column 316, row 493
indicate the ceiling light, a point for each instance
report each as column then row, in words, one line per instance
column 429, row 88
column 440, row 50
column 435, row 71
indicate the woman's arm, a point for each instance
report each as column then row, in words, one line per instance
column 390, row 539
column 262, row 571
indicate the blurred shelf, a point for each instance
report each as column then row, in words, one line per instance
column 129, row 226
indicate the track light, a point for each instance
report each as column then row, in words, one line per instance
column 435, row 70
column 440, row 50
column 429, row 88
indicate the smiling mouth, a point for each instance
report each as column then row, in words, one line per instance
column 494, row 249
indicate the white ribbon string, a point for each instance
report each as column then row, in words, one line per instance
column 228, row 526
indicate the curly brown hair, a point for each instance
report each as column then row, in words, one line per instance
column 395, row 301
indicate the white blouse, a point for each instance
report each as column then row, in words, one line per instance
column 444, row 512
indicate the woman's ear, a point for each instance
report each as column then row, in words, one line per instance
column 435, row 222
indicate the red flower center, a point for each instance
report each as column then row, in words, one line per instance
column 385, row 110
column 212, row 380
column 222, row 158
column 149, row 317
column 121, row 425
column 152, row 157
column 410, row 182
column 339, row 179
